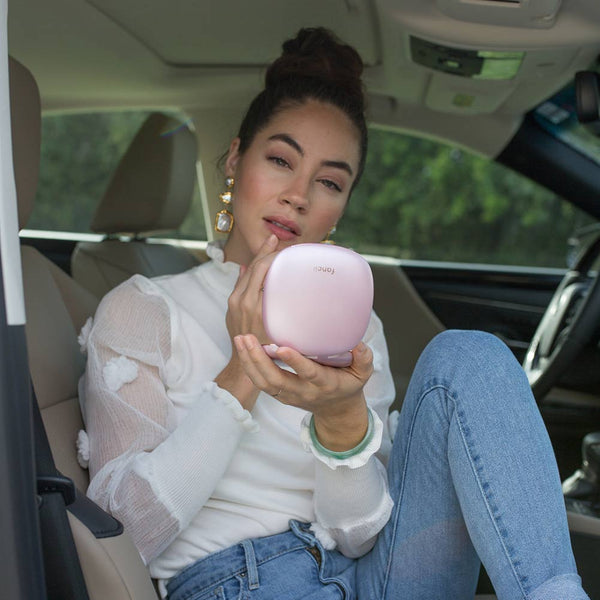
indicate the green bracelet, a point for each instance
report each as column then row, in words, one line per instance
column 346, row 453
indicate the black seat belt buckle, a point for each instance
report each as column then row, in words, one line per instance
column 57, row 484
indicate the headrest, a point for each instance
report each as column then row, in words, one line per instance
column 153, row 184
column 25, row 122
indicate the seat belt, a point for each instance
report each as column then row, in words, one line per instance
column 64, row 578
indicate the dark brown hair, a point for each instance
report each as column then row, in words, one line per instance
column 315, row 65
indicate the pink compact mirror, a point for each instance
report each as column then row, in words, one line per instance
column 317, row 300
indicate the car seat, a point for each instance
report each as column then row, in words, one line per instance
column 56, row 307
column 150, row 192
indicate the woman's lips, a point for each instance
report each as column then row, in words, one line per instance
column 285, row 231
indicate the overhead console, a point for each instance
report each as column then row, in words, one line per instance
column 479, row 80
column 513, row 13
column 477, row 64
column 485, row 56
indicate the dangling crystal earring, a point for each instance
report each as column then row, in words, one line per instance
column 224, row 218
column 330, row 232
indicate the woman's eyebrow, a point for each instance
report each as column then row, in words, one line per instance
column 288, row 139
column 338, row 164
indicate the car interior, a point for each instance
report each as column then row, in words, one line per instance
column 138, row 205
column 480, row 74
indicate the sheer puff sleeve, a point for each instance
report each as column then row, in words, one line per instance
column 149, row 467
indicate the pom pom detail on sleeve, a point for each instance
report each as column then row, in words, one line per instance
column 119, row 371
column 84, row 335
column 323, row 536
column 353, row 462
column 83, row 449
column 238, row 412
column 215, row 251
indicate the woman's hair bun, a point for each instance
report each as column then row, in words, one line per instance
column 315, row 65
column 316, row 53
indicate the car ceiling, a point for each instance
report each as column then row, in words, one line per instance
column 195, row 55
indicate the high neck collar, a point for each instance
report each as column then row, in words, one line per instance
column 224, row 273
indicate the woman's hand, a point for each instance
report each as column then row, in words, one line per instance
column 244, row 316
column 334, row 395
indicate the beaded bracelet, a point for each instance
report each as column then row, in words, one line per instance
column 346, row 453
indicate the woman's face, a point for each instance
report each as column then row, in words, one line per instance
column 293, row 180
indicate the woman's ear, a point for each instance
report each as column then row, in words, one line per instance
column 233, row 157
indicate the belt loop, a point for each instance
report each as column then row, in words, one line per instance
column 251, row 566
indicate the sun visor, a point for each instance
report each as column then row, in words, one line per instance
column 539, row 14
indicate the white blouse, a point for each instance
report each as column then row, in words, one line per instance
column 178, row 460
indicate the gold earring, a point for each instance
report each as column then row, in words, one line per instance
column 224, row 218
column 330, row 232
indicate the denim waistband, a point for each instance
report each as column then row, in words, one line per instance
column 245, row 557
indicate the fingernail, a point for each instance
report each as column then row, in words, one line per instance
column 239, row 344
column 272, row 239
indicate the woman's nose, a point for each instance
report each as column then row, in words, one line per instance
column 296, row 197
column 296, row 203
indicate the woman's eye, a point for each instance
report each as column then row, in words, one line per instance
column 332, row 185
column 279, row 161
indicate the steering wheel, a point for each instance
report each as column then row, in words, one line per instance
column 569, row 322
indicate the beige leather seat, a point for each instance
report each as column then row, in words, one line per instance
column 150, row 193
column 56, row 307
column 406, row 317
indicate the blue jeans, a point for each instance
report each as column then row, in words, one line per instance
column 472, row 475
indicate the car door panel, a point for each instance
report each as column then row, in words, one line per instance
column 508, row 302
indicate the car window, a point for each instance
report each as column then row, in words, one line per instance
column 425, row 200
column 78, row 157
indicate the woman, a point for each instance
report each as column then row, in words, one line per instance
column 241, row 477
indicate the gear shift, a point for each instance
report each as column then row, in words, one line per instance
column 582, row 489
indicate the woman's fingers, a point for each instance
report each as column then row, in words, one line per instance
column 362, row 361
column 361, row 367
column 246, row 271
column 304, row 367
column 245, row 302
column 258, row 268
column 267, row 247
column 261, row 370
column 311, row 384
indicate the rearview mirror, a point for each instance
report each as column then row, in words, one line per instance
column 587, row 94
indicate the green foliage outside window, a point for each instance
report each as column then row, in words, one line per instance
column 79, row 155
column 419, row 199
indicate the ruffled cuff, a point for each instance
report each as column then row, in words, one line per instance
column 237, row 411
column 353, row 462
